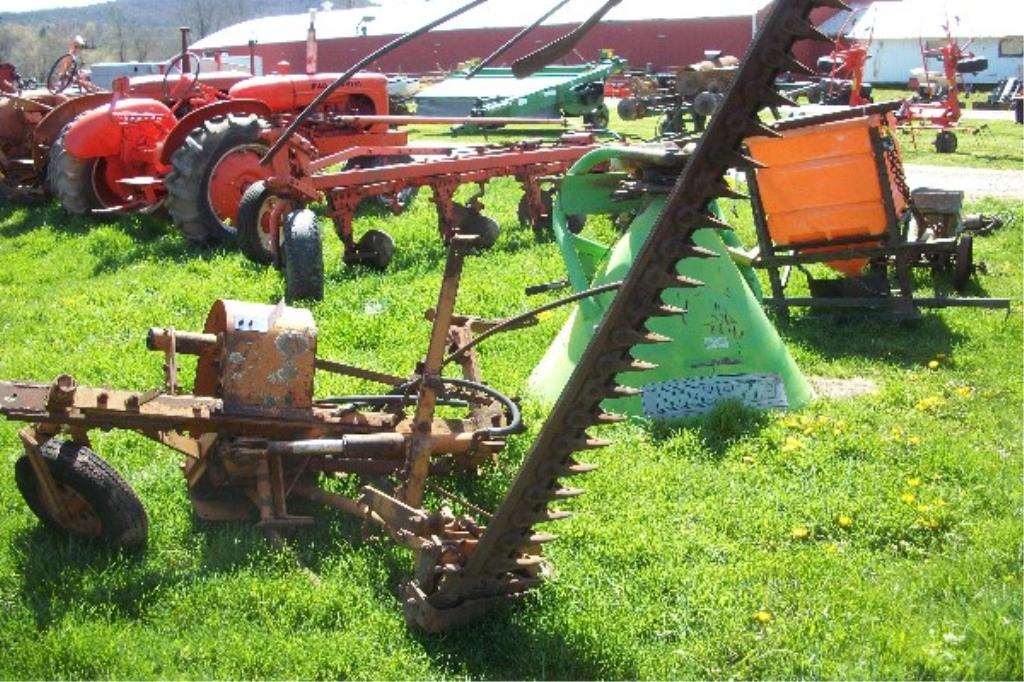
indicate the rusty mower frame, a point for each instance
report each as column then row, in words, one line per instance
column 253, row 435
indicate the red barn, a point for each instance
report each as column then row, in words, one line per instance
column 643, row 31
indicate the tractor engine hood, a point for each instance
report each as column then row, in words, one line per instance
column 97, row 132
column 293, row 92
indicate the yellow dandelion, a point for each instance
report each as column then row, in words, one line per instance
column 832, row 548
column 939, row 502
column 908, row 498
column 931, row 402
column 541, row 316
column 913, row 441
column 913, row 482
column 792, row 445
column 895, row 433
column 934, row 364
column 800, row 532
column 929, row 523
column 763, row 616
column 845, row 521
column 964, row 391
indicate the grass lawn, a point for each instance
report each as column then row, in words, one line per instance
column 877, row 537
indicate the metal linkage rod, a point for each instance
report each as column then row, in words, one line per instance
column 361, row 64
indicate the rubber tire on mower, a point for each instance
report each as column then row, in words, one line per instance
column 302, row 256
column 946, row 142
column 71, row 179
column 963, row 265
column 122, row 519
column 192, row 164
column 250, row 228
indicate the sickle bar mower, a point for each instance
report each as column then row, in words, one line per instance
column 253, row 426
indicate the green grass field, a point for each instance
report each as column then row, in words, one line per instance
column 878, row 537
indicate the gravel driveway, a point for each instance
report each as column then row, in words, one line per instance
column 974, row 182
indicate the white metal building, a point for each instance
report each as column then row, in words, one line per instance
column 993, row 28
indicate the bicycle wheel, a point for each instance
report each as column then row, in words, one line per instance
column 62, row 74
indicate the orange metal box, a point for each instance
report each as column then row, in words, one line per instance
column 822, row 183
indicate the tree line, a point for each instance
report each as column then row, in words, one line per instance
column 127, row 30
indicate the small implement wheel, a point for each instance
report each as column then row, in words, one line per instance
column 302, row 253
column 946, row 142
column 471, row 222
column 576, row 223
column 62, row 73
column 97, row 502
column 599, row 117
column 374, row 249
column 261, row 215
column 963, row 267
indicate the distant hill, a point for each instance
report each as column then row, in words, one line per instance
column 124, row 30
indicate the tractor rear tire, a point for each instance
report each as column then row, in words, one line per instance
column 100, row 503
column 71, row 180
column 193, row 164
column 256, row 211
column 302, row 253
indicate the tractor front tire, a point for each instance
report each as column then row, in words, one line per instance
column 71, row 180
column 190, row 198
column 303, row 254
column 98, row 503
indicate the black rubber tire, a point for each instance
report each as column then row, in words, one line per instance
column 471, row 222
column 302, row 253
column 250, row 241
column 376, row 249
column 122, row 517
column 946, row 142
column 56, row 84
column 599, row 117
column 188, row 199
column 963, row 266
column 71, row 179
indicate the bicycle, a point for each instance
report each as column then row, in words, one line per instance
column 67, row 70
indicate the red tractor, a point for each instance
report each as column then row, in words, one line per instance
column 201, row 154
column 108, row 157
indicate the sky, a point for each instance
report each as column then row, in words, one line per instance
column 8, row 6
